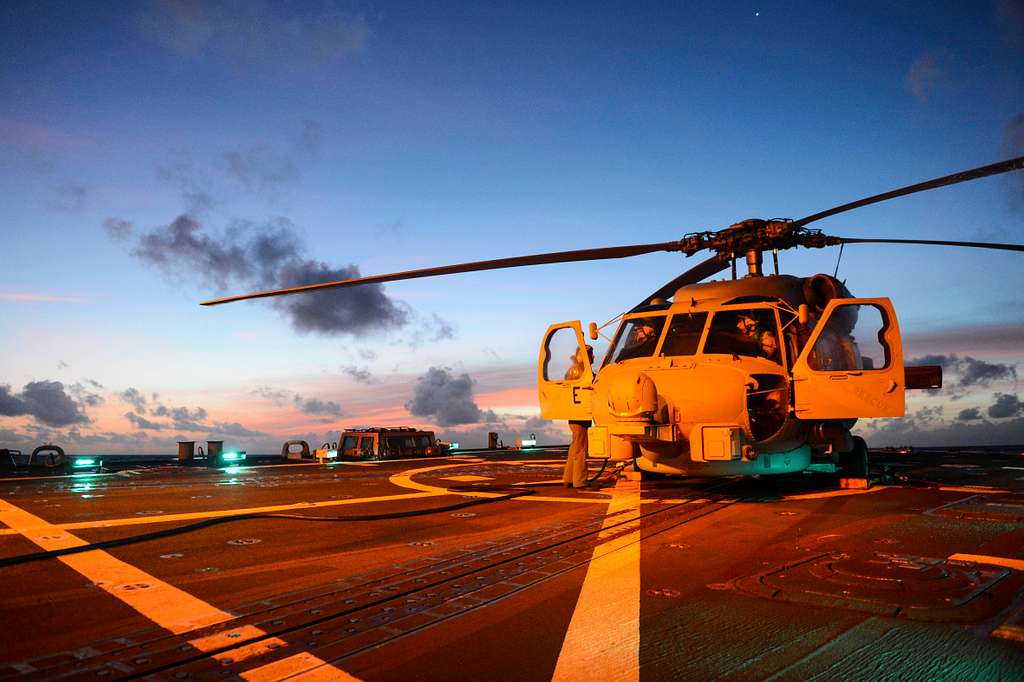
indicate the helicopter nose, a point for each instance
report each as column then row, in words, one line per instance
column 632, row 395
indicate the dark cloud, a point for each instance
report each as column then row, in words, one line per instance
column 277, row 396
column 140, row 422
column 258, row 35
column 84, row 396
column 357, row 311
column 182, row 417
column 118, row 229
column 447, row 399
column 93, row 383
column 10, row 404
column 317, row 406
column 979, row 372
column 183, row 245
column 45, row 401
column 929, row 414
column 267, row 257
column 968, row 415
column 134, row 397
column 361, row 375
column 367, row 354
column 882, row 432
column 68, row 198
column 234, row 429
column 62, row 365
column 971, row 371
column 1006, row 405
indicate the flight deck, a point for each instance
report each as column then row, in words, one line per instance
column 484, row 566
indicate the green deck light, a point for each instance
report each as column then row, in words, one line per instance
column 232, row 456
column 85, row 462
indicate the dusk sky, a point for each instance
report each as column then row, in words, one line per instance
column 157, row 154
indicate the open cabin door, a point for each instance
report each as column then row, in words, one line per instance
column 564, row 374
column 852, row 364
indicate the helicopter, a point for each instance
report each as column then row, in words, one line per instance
column 764, row 374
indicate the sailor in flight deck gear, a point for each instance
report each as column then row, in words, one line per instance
column 575, row 474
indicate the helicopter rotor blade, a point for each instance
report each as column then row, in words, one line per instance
column 702, row 270
column 515, row 262
column 962, row 176
column 934, row 242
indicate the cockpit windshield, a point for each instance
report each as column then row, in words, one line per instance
column 751, row 332
column 637, row 338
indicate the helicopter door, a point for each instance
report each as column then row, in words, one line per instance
column 564, row 374
column 852, row 364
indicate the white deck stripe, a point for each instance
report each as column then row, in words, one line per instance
column 167, row 606
column 603, row 639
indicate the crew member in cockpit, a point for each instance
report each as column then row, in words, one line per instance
column 763, row 342
column 642, row 340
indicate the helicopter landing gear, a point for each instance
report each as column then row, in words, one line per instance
column 854, row 465
column 635, row 473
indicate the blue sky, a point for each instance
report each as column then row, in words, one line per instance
column 396, row 136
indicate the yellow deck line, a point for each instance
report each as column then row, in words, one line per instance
column 603, row 639
column 971, row 489
column 1015, row 564
column 1012, row 632
column 216, row 513
column 169, row 607
column 835, row 493
column 305, row 667
column 158, row 601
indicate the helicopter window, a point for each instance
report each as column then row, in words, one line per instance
column 752, row 333
column 366, row 444
column 563, row 356
column 684, row 334
column 853, row 339
column 637, row 338
column 348, row 443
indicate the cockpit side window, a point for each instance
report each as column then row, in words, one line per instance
column 684, row 332
column 637, row 338
column 853, row 339
column 752, row 332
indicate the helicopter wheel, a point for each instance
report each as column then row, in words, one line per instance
column 855, row 462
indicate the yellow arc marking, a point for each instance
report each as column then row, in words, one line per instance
column 404, row 480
